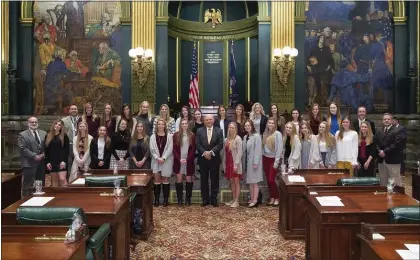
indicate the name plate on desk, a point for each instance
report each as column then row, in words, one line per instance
column 36, row 201
column 295, row 178
column 330, row 201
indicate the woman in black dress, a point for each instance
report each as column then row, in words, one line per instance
column 108, row 120
column 56, row 153
column 100, row 150
column 197, row 121
column 139, row 148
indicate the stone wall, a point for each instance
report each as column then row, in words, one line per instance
column 12, row 125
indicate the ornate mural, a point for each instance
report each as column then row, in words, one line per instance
column 349, row 54
column 78, row 52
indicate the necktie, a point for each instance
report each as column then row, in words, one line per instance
column 37, row 138
column 209, row 135
column 386, row 129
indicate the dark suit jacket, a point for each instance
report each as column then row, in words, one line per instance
column 390, row 142
column 94, row 155
column 215, row 145
column 403, row 132
column 357, row 128
column 370, row 151
column 263, row 124
column 190, row 157
column 226, row 123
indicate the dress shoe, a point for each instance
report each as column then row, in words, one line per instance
column 235, row 204
column 229, row 203
column 215, row 204
column 253, row 205
column 276, row 203
column 204, row 204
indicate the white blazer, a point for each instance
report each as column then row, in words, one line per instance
column 294, row 158
column 167, row 167
column 76, row 161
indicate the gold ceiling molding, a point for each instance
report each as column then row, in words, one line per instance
column 399, row 14
column 192, row 31
column 143, row 25
column 263, row 8
column 300, row 8
column 4, row 32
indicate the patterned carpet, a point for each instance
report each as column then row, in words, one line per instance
column 217, row 233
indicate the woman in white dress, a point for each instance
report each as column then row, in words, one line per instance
column 81, row 152
column 252, row 161
column 161, row 149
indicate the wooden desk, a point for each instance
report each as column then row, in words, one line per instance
column 415, row 178
column 98, row 210
column 140, row 182
column 20, row 243
column 331, row 231
column 11, row 185
column 292, row 196
column 395, row 238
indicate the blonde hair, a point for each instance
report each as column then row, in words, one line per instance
column 135, row 135
column 86, row 140
column 157, row 123
column 268, row 135
column 84, row 116
column 230, row 138
column 149, row 114
column 252, row 114
column 168, row 115
column 292, row 134
column 369, row 134
column 329, row 138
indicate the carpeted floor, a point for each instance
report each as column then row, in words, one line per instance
column 217, row 233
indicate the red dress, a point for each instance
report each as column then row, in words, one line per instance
column 229, row 172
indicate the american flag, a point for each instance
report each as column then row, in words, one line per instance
column 233, row 90
column 193, row 93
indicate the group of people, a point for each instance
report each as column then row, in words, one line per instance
column 246, row 148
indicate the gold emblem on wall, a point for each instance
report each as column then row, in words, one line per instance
column 214, row 16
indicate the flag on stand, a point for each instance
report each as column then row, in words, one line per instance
column 233, row 91
column 193, row 93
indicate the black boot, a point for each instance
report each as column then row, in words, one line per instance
column 156, row 190
column 165, row 187
column 179, row 191
column 188, row 193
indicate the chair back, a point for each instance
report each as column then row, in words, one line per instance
column 404, row 215
column 358, row 181
column 105, row 181
column 48, row 215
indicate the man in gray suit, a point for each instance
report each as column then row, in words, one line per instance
column 70, row 123
column 31, row 145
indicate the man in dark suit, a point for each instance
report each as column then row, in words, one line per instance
column 361, row 117
column 388, row 145
column 31, row 145
column 209, row 144
column 403, row 131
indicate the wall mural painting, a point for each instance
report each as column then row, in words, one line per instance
column 78, row 55
column 349, row 54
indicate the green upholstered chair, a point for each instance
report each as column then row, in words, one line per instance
column 358, row 181
column 105, row 181
column 96, row 244
column 404, row 215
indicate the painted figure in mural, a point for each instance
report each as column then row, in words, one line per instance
column 73, row 15
column 106, row 66
column 45, row 26
column 73, row 64
column 346, row 85
column 337, row 58
column 104, row 28
column 46, row 51
column 55, row 94
column 358, row 17
column 314, row 72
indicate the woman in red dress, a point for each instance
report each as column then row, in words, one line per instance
column 232, row 162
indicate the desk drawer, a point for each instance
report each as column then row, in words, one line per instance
column 343, row 219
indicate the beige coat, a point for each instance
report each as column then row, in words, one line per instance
column 236, row 154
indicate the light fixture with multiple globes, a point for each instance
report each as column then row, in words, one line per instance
column 284, row 63
column 141, row 65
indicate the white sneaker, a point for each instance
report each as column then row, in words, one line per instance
column 229, row 203
column 235, row 204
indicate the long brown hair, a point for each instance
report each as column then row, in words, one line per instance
column 369, row 134
column 253, row 131
column 51, row 133
column 218, row 111
column 135, row 135
column 107, row 138
column 103, row 117
column 302, row 136
column 329, row 115
column 329, row 138
column 178, row 135
column 242, row 115
column 84, row 116
column 318, row 117
column 341, row 130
